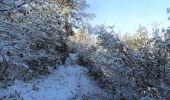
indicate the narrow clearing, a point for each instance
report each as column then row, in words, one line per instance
column 68, row 82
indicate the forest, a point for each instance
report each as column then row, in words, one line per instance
column 49, row 50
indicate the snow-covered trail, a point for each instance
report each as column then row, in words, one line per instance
column 68, row 82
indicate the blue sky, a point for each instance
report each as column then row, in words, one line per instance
column 126, row 15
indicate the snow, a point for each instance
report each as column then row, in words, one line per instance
column 69, row 81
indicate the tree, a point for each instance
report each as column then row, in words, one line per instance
column 129, row 40
column 71, row 11
column 141, row 36
column 138, row 39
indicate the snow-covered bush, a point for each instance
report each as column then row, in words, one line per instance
column 125, row 72
column 31, row 40
column 105, row 62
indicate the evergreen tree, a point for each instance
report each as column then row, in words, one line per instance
column 71, row 11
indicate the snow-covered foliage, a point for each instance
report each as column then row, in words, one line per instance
column 31, row 40
column 128, row 73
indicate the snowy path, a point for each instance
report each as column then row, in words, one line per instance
column 69, row 82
